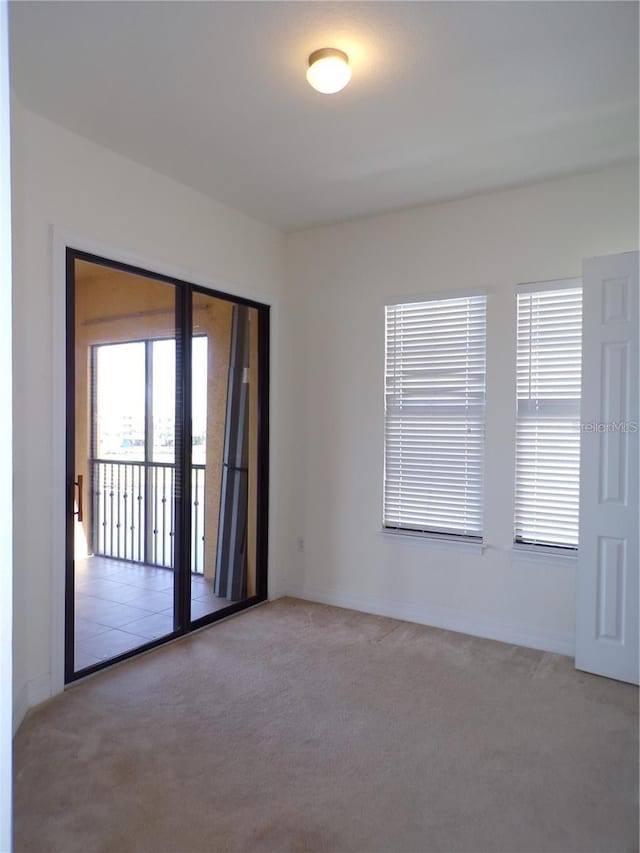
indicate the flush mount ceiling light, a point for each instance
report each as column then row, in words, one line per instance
column 328, row 70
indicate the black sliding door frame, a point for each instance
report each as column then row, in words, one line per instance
column 183, row 624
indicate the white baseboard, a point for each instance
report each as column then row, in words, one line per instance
column 28, row 696
column 442, row 617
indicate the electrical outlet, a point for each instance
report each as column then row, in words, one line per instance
column 300, row 541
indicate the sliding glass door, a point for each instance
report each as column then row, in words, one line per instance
column 166, row 459
column 224, row 406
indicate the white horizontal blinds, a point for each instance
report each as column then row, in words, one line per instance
column 548, row 416
column 434, row 416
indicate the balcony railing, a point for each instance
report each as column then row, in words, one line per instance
column 133, row 512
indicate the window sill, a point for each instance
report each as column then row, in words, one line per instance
column 540, row 554
column 431, row 541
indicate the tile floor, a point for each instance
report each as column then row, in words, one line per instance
column 121, row 605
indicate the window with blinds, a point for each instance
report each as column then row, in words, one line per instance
column 435, row 416
column 548, row 414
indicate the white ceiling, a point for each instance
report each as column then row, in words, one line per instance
column 446, row 99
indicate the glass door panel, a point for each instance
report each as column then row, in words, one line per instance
column 224, row 407
column 124, row 464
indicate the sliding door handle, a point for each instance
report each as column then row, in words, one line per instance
column 78, row 483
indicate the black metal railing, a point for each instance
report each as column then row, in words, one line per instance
column 133, row 512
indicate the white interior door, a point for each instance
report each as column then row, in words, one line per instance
column 607, row 582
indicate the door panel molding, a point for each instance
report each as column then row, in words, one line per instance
column 607, row 578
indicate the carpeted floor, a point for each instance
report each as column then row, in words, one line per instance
column 300, row 727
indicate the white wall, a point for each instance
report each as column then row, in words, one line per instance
column 64, row 180
column 6, row 580
column 340, row 277
column 327, row 374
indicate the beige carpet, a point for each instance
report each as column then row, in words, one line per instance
column 300, row 727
